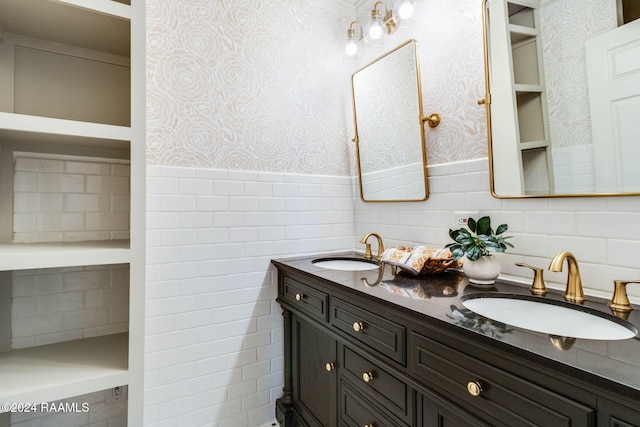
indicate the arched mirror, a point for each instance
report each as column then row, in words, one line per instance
column 390, row 145
column 563, row 97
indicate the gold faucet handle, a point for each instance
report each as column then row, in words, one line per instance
column 380, row 250
column 537, row 287
column 367, row 251
column 620, row 302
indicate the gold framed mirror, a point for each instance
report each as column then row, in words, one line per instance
column 389, row 135
column 562, row 98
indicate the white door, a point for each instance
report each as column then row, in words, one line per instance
column 613, row 69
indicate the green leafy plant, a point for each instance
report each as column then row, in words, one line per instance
column 479, row 240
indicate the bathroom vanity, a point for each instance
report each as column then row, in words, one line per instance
column 369, row 349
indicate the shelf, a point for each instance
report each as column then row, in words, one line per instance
column 102, row 25
column 105, row 7
column 521, row 33
column 22, row 126
column 23, row 130
column 62, row 370
column 533, row 145
column 25, row 256
column 525, row 88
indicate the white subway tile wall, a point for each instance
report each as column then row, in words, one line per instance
column 63, row 304
column 600, row 231
column 402, row 182
column 87, row 410
column 574, row 169
column 69, row 199
column 213, row 328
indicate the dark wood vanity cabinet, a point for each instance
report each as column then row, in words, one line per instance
column 357, row 361
column 314, row 377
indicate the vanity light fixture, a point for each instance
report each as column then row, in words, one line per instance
column 379, row 24
column 383, row 21
column 352, row 44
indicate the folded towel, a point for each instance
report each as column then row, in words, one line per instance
column 413, row 259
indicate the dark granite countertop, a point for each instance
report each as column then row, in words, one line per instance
column 438, row 296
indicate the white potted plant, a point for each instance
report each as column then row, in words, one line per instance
column 477, row 244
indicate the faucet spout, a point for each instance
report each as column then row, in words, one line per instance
column 367, row 252
column 573, row 291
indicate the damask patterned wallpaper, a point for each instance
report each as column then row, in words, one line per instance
column 264, row 85
column 247, row 84
column 566, row 26
column 449, row 36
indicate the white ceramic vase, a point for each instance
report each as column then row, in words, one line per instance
column 484, row 271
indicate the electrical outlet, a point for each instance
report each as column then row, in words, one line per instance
column 117, row 394
column 460, row 218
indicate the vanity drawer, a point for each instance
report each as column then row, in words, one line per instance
column 389, row 391
column 502, row 398
column 380, row 335
column 307, row 299
column 357, row 411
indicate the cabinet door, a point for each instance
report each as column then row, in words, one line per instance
column 356, row 410
column 503, row 398
column 436, row 412
column 615, row 415
column 314, row 375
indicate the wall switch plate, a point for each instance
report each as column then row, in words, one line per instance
column 117, row 394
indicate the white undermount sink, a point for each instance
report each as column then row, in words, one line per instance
column 346, row 263
column 549, row 316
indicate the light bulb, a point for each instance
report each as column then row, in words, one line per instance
column 406, row 9
column 351, row 48
column 376, row 29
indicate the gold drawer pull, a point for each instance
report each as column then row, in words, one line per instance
column 329, row 366
column 474, row 388
column 300, row 297
column 369, row 425
column 367, row 376
column 358, row 326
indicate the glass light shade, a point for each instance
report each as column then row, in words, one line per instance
column 376, row 28
column 351, row 48
column 406, row 8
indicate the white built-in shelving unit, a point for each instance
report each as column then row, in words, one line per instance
column 518, row 91
column 72, row 84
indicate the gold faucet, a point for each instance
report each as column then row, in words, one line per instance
column 573, row 292
column 367, row 251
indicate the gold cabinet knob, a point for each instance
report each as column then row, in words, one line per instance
column 300, row 297
column 482, row 101
column 330, row 366
column 367, row 377
column 358, row 326
column 474, row 388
